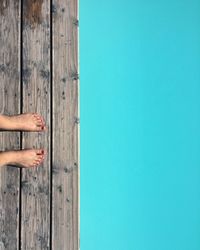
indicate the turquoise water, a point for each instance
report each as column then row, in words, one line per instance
column 140, row 125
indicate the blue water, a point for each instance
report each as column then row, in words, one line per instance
column 140, row 124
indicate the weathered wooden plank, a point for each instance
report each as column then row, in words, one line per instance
column 65, row 177
column 35, row 227
column 9, row 104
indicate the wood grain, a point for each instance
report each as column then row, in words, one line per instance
column 65, row 178
column 35, row 216
column 39, row 208
column 9, row 104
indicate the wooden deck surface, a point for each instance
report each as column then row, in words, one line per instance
column 39, row 72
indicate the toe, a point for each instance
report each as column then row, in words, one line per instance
column 42, row 120
column 38, row 117
column 44, row 128
column 35, row 115
column 44, row 152
column 36, row 161
column 40, row 158
column 40, row 161
column 38, row 122
column 39, row 128
column 40, row 151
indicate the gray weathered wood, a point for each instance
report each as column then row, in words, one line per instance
column 38, row 217
column 9, row 104
column 65, row 178
column 35, row 227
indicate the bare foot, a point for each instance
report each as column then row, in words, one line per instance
column 24, row 122
column 23, row 158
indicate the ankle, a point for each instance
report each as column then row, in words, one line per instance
column 5, row 121
column 5, row 158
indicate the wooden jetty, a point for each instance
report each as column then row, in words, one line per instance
column 39, row 72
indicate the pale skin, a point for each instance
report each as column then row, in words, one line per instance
column 25, row 158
